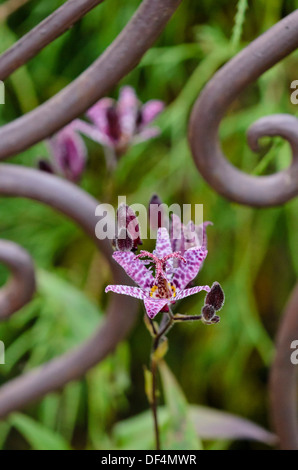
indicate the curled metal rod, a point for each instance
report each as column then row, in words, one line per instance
column 211, row 106
column 283, row 378
column 21, row 286
column 43, row 34
column 119, row 59
column 261, row 191
column 80, row 207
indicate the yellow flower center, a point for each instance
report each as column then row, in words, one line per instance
column 163, row 289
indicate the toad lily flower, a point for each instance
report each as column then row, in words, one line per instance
column 68, row 154
column 119, row 124
column 168, row 284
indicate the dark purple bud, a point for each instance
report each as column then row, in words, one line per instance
column 215, row 319
column 156, row 212
column 215, row 297
column 44, row 165
column 124, row 242
column 128, row 230
column 208, row 313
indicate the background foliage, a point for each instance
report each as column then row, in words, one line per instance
column 252, row 253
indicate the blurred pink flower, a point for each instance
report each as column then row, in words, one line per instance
column 119, row 124
column 68, row 154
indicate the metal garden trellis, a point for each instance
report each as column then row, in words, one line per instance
column 119, row 59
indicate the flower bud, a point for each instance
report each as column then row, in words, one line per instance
column 128, row 230
column 208, row 312
column 215, row 297
column 156, row 212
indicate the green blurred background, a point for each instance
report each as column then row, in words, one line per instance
column 252, row 253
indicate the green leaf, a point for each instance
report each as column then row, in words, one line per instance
column 38, row 436
column 209, row 424
column 136, row 433
column 181, row 431
column 215, row 424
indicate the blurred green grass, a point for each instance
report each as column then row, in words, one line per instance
column 252, row 253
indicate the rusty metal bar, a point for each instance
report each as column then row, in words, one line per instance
column 43, row 34
column 20, row 288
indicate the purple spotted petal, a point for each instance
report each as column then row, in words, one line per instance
column 127, row 108
column 187, row 272
column 163, row 244
column 135, row 268
column 69, row 153
column 193, row 290
column 154, row 306
column 201, row 232
column 126, row 290
column 191, row 239
column 177, row 235
column 150, row 111
column 98, row 114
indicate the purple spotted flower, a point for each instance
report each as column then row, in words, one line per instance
column 119, row 124
column 167, row 284
column 68, row 154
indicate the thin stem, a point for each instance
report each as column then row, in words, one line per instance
column 156, row 340
column 161, row 333
column 179, row 317
column 154, row 403
column 165, row 325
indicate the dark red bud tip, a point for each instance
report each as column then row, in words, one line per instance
column 155, row 199
column 208, row 313
column 215, row 297
column 156, row 212
column 124, row 242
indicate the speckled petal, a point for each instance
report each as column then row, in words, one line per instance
column 163, row 244
column 187, row 272
column 126, row 290
column 134, row 268
column 153, row 307
column 193, row 290
column 201, row 232
column 177, row 235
